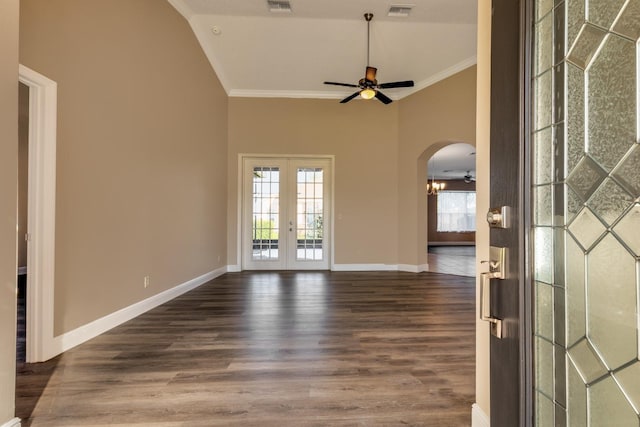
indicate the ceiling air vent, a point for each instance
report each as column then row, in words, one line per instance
column 279, row 6
column 400, row 11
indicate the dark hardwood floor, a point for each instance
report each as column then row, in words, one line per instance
column 457, row 260
column 274, row 349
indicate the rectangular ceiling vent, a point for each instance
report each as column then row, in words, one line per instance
column 400, row 11
column 279, row 6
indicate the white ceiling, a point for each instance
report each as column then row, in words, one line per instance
column 453, row 162
column 259, row 53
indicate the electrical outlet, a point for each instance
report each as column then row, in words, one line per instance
column 146, row 281
column 218, row 258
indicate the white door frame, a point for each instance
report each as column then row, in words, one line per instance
column 43, row 94
column 240, row 199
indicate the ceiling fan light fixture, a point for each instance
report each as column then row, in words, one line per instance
column 367, row 93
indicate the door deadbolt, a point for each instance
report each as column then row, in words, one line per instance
column 499, row 217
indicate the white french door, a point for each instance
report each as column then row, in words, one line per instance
column 286, row 213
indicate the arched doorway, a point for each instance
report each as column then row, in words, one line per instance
column 451, row 209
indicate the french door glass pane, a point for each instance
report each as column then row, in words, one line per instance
column 309, row 208
column 586, row 214
column 266, row 213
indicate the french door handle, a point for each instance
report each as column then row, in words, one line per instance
column 497, row 270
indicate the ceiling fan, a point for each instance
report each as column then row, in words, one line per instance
column 468, row 178
column 368, row 86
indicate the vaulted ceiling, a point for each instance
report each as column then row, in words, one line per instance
column 259, row 53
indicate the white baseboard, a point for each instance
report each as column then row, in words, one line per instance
column 413, row 268
column 364, row 267
column 234, row 268
column 12, row 423
column 91, row 330
column 478, row 417
column 381, row 267
column 22, row 270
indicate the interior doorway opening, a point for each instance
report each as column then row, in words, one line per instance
column 451, row 210
column 23, row 210
column 40, row 228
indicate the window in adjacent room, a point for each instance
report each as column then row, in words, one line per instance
column 456, row 211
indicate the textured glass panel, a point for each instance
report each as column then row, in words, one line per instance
column 543, row 7
column 577, row 404
column 586, row 228
column 628, row 172
column 612, row 101
column 543, row 100
column 574, row 204
column 575, row 116
column 609, row 201
column 587, row 362
column 544, row 44
column 586, row 45
column 558, row 204
column 629, row 22
column 543, row 152
column 544, row 411
column 543, row 208
column 558, row 36
column 544, row 361
column 576, row 305
column 611, row 302
column 586, row 178
column 629, row 379
column 559, row 261
column 561, row 416
column 543, row 243
column 603, row 12
column 609, row 407
column 558, row 316
column 575, row 19
column 558, row 153
column 628, row 229
column 544, row 310
column 560, row 381
column 594, row 294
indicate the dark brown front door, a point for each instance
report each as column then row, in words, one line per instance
column 508, row 351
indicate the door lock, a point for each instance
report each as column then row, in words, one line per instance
column 497, row 270
column 499, row 217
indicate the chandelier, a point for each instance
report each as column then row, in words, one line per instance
column 434, row 187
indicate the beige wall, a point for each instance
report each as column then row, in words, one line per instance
column 439, row 115
column 482, row 191
column 141, row 158
column 23, row 171
column 8, row 204
column 362, row 136
column 380, row 152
